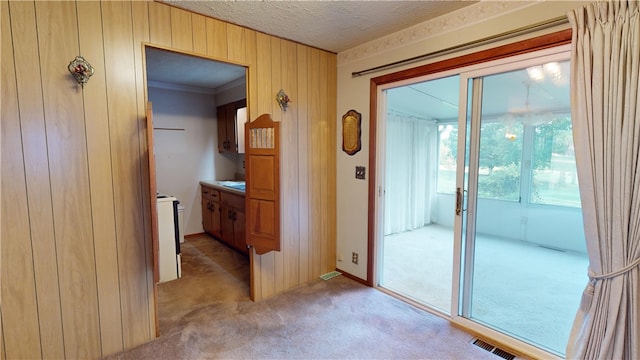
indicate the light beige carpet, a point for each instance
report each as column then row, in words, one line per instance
column 207, row 314
column 528, row 291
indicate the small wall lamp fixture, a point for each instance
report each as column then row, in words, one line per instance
column 282, row 99
column 81, row 70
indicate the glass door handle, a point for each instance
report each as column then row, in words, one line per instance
column 459, row 201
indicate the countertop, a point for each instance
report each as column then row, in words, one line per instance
column 225, row 185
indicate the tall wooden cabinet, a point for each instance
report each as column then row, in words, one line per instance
column 228, row 135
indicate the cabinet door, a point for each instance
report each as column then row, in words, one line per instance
column 206, row 210
column 239, row 232
column 222, row 128
column 227, row 127
column 232, row 142
column 216, row 226
column 226, row 224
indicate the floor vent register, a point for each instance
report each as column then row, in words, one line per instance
column 492, row 349
column 330, row 275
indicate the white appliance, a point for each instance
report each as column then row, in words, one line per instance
column 168, row 238
column 181, row 222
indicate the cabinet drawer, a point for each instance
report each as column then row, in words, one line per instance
column 210, row 193
column 232, row 200
column 214, row 195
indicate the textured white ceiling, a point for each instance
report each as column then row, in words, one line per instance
column 342, row 25
column 329, row 25
column 201, row 75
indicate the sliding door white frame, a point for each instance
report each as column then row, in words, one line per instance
column 460, row 252
column 463, row 250
column 381, row 136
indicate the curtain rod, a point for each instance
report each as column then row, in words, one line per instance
column 561, row 20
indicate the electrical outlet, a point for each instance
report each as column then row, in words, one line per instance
column 340, row 257
column 354, row 258
column 360, row 171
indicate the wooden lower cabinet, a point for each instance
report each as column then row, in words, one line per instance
column 233, row 221
column 211, row 211
column 223, row 216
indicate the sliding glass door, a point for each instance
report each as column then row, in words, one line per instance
column 481, row 217
column 419, row 132
column 524, row 261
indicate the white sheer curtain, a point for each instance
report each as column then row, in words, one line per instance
column 410, row 172
column 605, row 73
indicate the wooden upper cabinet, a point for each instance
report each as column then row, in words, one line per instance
column 227, row 130
column 262, row 169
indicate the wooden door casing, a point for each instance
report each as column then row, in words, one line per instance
column 153, row 190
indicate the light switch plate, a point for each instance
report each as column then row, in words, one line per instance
column 360, row 171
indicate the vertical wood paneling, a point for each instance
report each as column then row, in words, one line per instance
column 216, row 38
column 79, row 281
column 67, row 152
column 19, row 307
column 304, row 200
column 315, row 175
column 181, row 30
column 331, row 241
column 276, row 82
column 289, row 166
column 252, row 61
column 141, row 35
column 199, row 25
column 3, row 354
column 4, row 47
column 277, row 114
column 101, row 180
column 323, row 178
column 235, row 43
column 251, row 58
column 263, row 74
column 159, row 24
column 263, row 266
column 126, row 159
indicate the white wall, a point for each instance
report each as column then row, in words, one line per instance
column 557, row 227
column 184, row 157
column 477, row 21
column 233, row 91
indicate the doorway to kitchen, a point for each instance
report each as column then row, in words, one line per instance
column 186, row 92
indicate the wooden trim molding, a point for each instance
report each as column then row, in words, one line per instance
column 193, row 236
column 521, row 47
column 353, row 277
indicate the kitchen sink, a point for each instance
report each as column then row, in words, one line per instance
column 236, row 185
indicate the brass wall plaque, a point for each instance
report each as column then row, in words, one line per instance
column 351, row 131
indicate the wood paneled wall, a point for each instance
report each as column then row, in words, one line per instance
column 77, row 273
